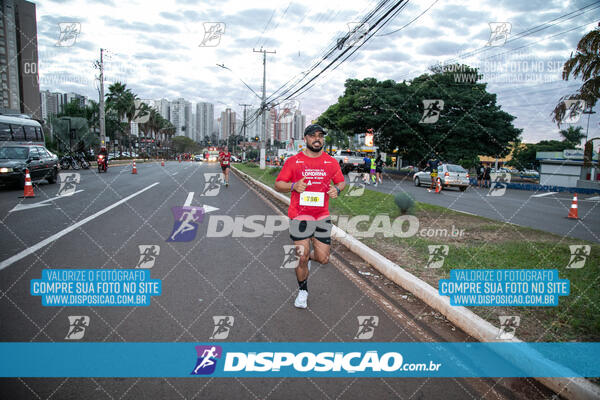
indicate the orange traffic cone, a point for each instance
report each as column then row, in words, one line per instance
column 573, row 209
column 134, row 170
column 438, row 186
column 28, row 188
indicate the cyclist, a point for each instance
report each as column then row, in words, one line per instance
column 308, row 175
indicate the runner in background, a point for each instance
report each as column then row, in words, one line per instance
column 225, row 160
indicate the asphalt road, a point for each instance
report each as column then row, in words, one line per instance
column 546, row 211
column 102, row 224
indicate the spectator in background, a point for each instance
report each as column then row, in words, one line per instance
column 480, row 174
column 486, row 176
column 378, row 168
column 366, row 169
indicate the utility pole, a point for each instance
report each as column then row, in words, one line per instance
column 244, row 124
column 263, row 106
column 244, row 127
column 101, row 102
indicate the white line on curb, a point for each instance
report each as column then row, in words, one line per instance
column 58, row 235
column 543, row 194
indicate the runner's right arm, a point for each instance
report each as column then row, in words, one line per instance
column 284, row 180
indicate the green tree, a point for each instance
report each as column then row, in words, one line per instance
column 336, row 138
column 183, row 144
column 573, row 135
column 122, row 101
column 584, row 65
column 524, row 156
column 470, row 124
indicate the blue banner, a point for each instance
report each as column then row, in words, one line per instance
column 95, row 287
column 363, row 359
column 504, row 287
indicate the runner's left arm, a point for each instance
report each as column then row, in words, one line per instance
column 338, row 178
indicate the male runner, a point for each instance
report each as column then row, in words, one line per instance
column 225, row 159
column 308, row 176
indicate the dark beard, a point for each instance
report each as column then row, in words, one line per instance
column 313, row 149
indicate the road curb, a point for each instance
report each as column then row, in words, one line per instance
column 462, row 317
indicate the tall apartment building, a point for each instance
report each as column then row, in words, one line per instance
column 74, row 96
column 299, row 125
column 177, row 115
column 52, row 103
column 189, row 126
column 19, row 59
column 205, row 115
column 228, row 125
column 163, row 107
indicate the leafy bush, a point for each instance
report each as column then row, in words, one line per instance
column 404, row 202
column 275, row 171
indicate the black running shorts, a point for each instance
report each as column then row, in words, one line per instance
column 321, row 230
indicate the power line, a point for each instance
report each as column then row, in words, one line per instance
column 355, row 49
column 388, row 14
column 329, row 52
column 411, row 21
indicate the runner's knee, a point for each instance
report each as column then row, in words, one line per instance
column 321, row 258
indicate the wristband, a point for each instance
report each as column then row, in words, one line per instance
column 338, row 189
column 292, row 188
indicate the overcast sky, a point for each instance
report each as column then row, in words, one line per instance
column 154, row 47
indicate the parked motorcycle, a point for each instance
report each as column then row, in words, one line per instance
column 82, row 161
column 67, row 161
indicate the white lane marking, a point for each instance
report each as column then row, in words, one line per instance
column 595, row 198
column 58, row 235
column 208, row 209
column 543, row 194
column 20, row 207
column 188, row 201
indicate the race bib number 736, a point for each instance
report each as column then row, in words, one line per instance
column 312, row 199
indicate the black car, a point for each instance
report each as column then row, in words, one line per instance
column 14, row 159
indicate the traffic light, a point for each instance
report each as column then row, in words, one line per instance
column 256, row 138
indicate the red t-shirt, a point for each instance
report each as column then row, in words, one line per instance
column 225, row 158
column 313, row 203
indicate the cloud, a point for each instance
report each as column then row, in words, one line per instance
column 139, row 26
column 441, row 48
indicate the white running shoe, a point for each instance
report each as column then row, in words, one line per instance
column 309, row 264
column 301, row 299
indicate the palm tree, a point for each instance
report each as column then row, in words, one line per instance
column 585, row 65
column 122, row 101
column 573, row 135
